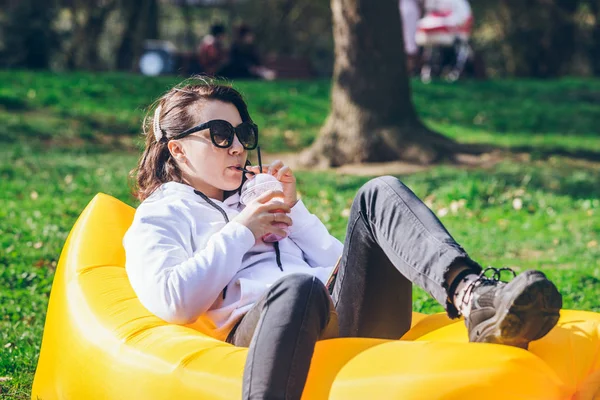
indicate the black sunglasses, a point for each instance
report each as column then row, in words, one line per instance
column 222, row 133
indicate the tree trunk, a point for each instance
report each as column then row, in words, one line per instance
column 563, row 37
column 152, row 30
column 283, row 27
column 84, row 50
column 92, row 31
column 595, row 44
column 28, row 37
column 189, row 39
column 125, row 50
column 540, row 36
column 141, row 23
column 372, row 117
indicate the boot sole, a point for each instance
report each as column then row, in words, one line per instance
column 531, row 307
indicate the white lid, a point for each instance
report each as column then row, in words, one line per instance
column 252, row 191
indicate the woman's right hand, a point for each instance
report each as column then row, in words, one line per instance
column 260, row 215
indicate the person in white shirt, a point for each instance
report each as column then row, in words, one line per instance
column 194, row 251
column 456, row 12
column 410, row 13
column 445, row 26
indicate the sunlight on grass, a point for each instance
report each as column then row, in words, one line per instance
column 547, row 114
column 521, row 214
column 553, row 225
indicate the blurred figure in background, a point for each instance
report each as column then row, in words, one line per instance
column 444, row 33
column 212, row 53
column 410, row 12
column 244, row 61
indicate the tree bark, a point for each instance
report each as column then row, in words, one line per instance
column 595, row 44
column 28, row 37
column 189, row 39
column 141, row 23
column 152, row 29
column 84, row 50
column 540, row 36
column 372, row 117
column 93, row 29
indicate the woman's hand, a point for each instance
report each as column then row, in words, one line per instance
column 284, row 175
column 260, row 215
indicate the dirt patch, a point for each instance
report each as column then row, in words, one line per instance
column 487, row 160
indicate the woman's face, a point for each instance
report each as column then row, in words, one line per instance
column 204, row 166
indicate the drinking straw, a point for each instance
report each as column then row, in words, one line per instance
column 245, row 170
column 259, row 160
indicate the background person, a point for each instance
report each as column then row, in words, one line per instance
column 444, row 32
column 410, row 12
column 212, row 53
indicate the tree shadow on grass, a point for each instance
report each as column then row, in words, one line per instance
column 558, row 176
column 537, row 152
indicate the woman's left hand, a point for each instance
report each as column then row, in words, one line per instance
column 284, row 175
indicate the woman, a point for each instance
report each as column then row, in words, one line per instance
column 193, row 250
column 212, row 54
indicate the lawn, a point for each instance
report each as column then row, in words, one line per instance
column 96, row 109
column 58, row 152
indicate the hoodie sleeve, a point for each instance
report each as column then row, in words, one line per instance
column 319, row 247
column 170, row 281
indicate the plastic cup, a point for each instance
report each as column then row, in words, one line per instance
column 253, row 188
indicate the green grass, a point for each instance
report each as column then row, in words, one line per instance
column 97, row 108
column 557, row 229
column 44, row 188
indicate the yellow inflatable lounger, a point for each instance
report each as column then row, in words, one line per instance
column 100, row 343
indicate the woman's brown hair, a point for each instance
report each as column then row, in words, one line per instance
column 168, row 116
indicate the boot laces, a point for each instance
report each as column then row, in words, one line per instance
column 484, row 280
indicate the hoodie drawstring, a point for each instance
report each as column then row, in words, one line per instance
column 209, row 201
column 278, row 255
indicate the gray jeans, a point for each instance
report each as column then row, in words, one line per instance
column 393, row 240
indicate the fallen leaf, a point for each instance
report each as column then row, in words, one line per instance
column 592, row 243
column 517, row 204
column 429, row 200
column 454, row 206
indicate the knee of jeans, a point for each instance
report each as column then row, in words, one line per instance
column 379, row 182
column 296, row 287
column 375, row 185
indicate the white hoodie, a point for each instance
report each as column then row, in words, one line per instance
column 185, row 261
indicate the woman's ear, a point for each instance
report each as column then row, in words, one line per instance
column 176, row 150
